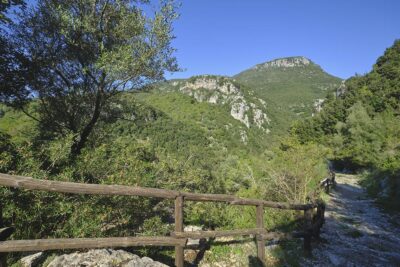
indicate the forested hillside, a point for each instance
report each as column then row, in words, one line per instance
column 95, row 118
column 361, row 126
column 83, row 99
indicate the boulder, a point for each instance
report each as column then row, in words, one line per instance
column 31, row 260
column 103, row 258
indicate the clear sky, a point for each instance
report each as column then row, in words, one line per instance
column 227, row 36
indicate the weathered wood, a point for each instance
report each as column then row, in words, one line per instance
column 81, row 188
column 122, row 190
column 178, row 238
column 4, row 234
column 77, row 243
column 1, row 215
column 213, row 234
column 259, row 237
column 307, row 231
column 233, row 200
column 318, row 220
column 179, row 250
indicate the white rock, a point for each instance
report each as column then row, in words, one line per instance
column 31, row 260
column 238, row 111
column 103, row 258
column 284, row 63
column 226, row 92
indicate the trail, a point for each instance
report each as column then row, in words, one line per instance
column 356, row 232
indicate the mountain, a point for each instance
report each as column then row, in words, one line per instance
column 261, row 101
column 295, row 83
column 227, row 111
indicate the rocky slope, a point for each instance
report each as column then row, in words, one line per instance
column 218, row 90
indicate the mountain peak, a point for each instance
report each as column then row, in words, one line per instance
column 287, row 62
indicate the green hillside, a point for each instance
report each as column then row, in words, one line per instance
column 209, row 134
column 361, row 126
column 294, row 83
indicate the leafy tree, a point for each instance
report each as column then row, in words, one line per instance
column 5, row 5
column 81, row 54
column 8, row 154
column 363, row 137
column 9, row 75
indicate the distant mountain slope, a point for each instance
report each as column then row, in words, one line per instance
column 254, row 108
column 224, row 91
column 295, row 83
column 224, row 109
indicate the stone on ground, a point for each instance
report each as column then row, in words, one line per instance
column 103, row 258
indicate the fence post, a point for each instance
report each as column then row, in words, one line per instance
column 318, row 218
column 179, row 256
column 327, row 186
column 3, row 256
column 307, row 231
column 259, row 238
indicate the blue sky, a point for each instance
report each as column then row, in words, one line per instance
column 227, row 36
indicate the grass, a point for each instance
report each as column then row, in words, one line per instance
column 288, row 253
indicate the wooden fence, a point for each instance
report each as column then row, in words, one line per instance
column 313, row 219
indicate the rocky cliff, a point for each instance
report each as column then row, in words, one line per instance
column 218, row 90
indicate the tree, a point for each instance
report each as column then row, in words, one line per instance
column 82, row 54
column 8, row 55
column 362, row 137
column 5, row 5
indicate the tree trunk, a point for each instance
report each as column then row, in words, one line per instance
column 80, row 142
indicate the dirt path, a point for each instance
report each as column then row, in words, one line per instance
column 356, row 231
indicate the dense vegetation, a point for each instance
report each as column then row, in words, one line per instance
column 361, row 126
column 74, row 108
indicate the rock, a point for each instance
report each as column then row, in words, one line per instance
column 318, row 105
column 31, row 260
column 238, row 112
column 192, row 228
column 103, row 258
column 335, row 260
column 223, row 90
column 285, row 63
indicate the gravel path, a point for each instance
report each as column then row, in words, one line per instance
column 356, row 231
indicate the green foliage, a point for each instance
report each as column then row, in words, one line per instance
column 78, row 55
column 294, row 89
column 362, row 126
column 8, row 154
column 159, row 138
column 162, row 148
column 359, row 138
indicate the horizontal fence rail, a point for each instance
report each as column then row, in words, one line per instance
column 77, row 243
column 313, row 218
column 29, row 183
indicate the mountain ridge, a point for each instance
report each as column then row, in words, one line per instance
column 268, row 96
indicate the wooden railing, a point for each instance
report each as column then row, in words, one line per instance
column 313, row 219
